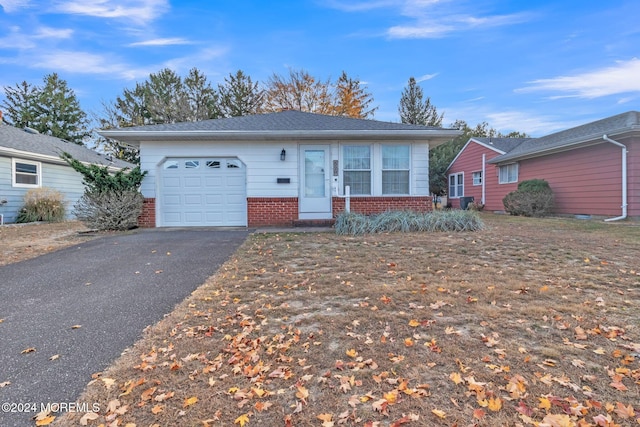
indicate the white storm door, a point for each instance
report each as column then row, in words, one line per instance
column 315, row 187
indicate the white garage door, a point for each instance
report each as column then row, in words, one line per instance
column 203, row 192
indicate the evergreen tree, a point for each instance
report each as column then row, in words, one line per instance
column 20, row 103
column 58, row 111
column 240, row 96
column 416, row 111
column 52, row 109
column 202, row 99
column 352, row 99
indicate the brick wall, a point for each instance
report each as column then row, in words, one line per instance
column 272, row 211
column 376, row 205
column 147, row 218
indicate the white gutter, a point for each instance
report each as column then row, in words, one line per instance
column 624, row 178
column 484, row 176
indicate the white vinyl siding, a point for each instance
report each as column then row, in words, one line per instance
column 456, row 185
column 508, row 173
column 396, row 172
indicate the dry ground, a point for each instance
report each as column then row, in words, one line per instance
column 19, row 242
column 529, row 322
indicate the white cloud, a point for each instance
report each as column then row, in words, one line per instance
column 84, row 63
column 196, row 60
column 436, row 25
column 362, row 6
column 11, row 6
column 161, row 42
column 617, row 79
column 425, row 77
column 53, row 33
column 16, row 39
column 140, row 11
column 523, row 121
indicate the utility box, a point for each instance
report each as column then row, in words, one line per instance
column 464, row 202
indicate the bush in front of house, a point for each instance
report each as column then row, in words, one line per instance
column 111, row 200
column 42, row 204
column 533, row 197
column 351, row 223
column 109, row 210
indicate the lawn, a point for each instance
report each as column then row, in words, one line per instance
column 527, row 322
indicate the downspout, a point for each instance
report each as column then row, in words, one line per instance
column 484, row 176
column 624, row 178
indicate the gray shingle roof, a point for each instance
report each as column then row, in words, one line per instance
column 502, row 144
column 282, row 121
column 586, row 133
column 284, row 125
column 13, row 138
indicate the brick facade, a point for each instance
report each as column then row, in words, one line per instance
column 147, row 218
column 376, row 205
column 272, row 211
column 283, row 211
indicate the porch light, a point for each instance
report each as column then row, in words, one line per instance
column 283, row 154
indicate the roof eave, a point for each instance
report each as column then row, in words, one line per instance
column 436, row 136
column 28, row 155
column 570, row 145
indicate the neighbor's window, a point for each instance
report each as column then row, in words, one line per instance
column 508, row 173
column 395, row 169
column 26, row 173
column 357, row 168
column 477, row 178
column 456, row 185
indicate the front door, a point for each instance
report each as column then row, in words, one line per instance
column 315, row 187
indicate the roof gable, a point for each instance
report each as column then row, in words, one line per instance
column 16, row 141
column 499, row 145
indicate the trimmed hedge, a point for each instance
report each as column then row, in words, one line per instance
column 408, row 221
column 533, row 197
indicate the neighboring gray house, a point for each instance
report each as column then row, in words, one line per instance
column 32, row 160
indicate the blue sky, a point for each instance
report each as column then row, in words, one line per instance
column 535, row 66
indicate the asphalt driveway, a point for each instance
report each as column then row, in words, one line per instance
column 83, row 305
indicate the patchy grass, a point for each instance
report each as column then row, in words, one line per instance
column 19, row 242
column 527, row 322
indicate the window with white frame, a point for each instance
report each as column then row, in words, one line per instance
column 357, row 168
column 456, row 185
column 26, row 173
column 395, row 169
column 477, row 178
column 508, row 173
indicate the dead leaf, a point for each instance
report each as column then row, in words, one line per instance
column 4, row 384
column 54, row 357
column 414, row 323
column 28, row 350
column 189, row 401
column 89, row 416
column 45, row 420
column 76, row 327
column 242, row 420
column 438, row 413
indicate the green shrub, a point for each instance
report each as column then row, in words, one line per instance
column 111, row 200
column 407, row 221
column 532, row 198
column 42, row 204
column 110, row 210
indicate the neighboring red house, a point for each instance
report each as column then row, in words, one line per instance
column 593, row 169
